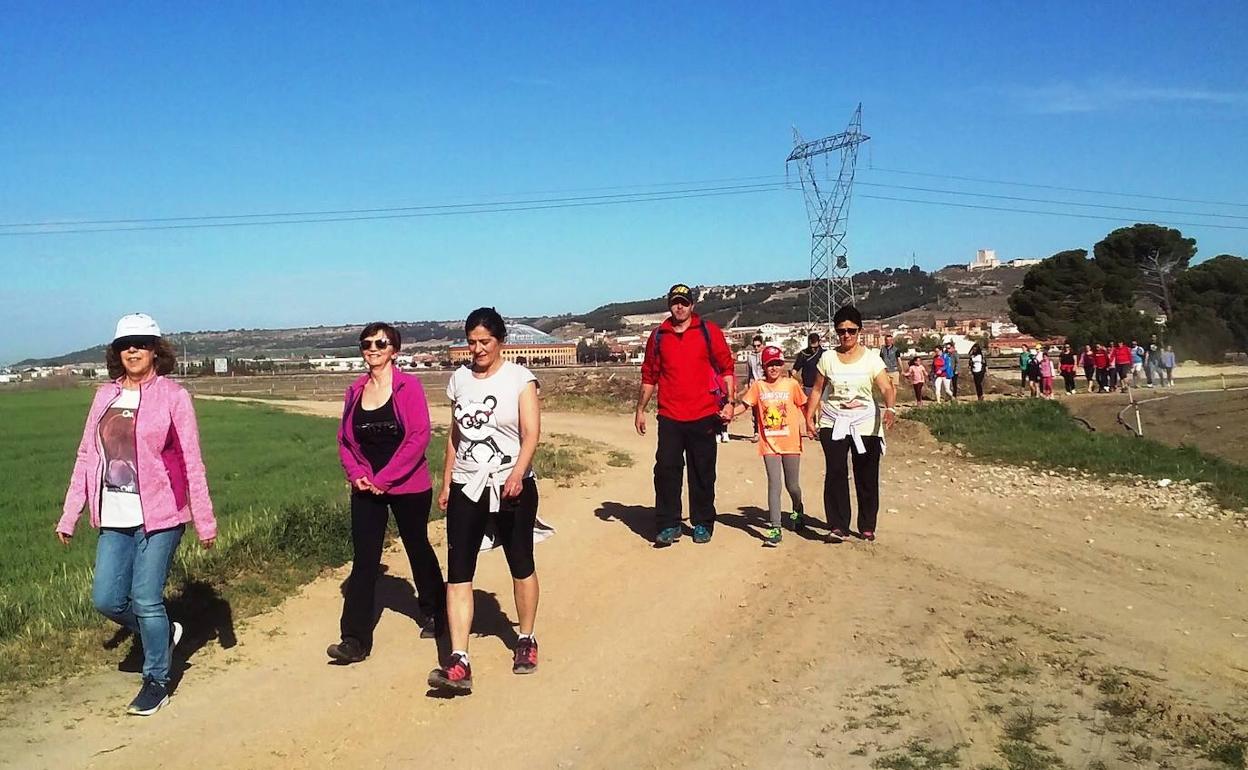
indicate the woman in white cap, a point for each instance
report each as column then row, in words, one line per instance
column 140, row 474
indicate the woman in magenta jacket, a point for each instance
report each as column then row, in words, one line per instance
column 382, row 441
column 140, row 474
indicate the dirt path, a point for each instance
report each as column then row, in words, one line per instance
column 996, row 619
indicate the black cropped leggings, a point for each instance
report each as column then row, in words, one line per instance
column 466, row 523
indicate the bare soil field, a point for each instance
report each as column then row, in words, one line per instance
column 1215, row 422
column 1004, row 619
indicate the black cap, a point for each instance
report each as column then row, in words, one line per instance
column 680, row 291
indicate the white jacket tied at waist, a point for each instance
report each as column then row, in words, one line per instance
column 852, row 423
column 477, row 477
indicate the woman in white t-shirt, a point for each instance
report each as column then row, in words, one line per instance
column 850, row 422
column 496, row 422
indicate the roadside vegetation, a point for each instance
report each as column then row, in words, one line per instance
column 1042, row 433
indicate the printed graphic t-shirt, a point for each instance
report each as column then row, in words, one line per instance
column 487, row 413
column 780, row 418
column 119, row 496
column 851, row 385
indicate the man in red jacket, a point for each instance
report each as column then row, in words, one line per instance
column 689, row 363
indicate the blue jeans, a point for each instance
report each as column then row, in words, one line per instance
column 131, row 567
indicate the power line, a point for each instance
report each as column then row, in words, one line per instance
column 1047, row 213
column 389, row 209
column 497, row 209
column 1056, row 187
column 1047, row 200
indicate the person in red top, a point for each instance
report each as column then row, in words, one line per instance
column 689, row 363
column 1122, row 359
column 1101, row 360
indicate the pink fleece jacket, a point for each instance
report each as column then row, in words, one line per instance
column 407, row 472
column 173, row 488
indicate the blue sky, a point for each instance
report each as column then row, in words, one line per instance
column 121, row 111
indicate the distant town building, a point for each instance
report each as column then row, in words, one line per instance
column 527, row 346
column 985, row 259
column 1025, row 262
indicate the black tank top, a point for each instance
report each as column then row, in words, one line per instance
column 378, row 432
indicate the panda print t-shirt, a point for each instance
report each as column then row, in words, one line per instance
column 487, row 413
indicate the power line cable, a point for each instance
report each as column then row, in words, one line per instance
column 1057, row 187
column 1047, row 213
column 413, row 215
column 389, row 209
column 1048, row 200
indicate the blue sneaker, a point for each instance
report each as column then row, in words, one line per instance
column 701, row 534
column 667, row 536
column 150, row 699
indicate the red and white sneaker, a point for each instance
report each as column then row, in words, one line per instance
column 525, row 660
column 455, row 676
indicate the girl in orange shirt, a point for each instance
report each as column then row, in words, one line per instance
column 777, row 402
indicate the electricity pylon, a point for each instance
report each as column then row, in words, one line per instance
column 831, row 283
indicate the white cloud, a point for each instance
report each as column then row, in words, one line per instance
column 1101, row 95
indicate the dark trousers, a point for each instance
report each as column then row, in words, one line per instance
column 953, row 383
column 369, row 514
column 681, row 443
column 836, row 481
column 1069, row 377
column 979, row 383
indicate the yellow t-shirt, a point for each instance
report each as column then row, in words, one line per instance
column 778, row 406
column 850, row 386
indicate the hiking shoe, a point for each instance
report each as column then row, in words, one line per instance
column 667, row 536
column 837, row 535
column 525, row 659
column 701, row 534
column 869, row 536
column 456, row 675
column 772, row 537
column 347, row 651
column 175, row 634
column 432, row 629
column 792, row 521
column 151, row 697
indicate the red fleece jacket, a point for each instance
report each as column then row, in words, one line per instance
column 683, row 369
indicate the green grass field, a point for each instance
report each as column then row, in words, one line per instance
column 281, row 506
column 1030, row 430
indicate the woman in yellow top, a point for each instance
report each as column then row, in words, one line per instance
column 850, row 422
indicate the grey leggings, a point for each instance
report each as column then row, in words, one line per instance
column 790, row 466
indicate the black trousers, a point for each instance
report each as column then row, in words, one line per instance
column 369, row 515
column 953, row 382
column 836, row 481
column 682, row 443
column 979, row 383
column 1069, row 377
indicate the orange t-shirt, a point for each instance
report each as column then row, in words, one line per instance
column 778, row 406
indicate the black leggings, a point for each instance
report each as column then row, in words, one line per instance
column 466, row 524
column 979, row 383
column 369, row 515
column 836, row 480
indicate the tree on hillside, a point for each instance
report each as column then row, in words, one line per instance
column 1211, row 308
column 1143, row 259
column 1065, row 295
column 1057, row 293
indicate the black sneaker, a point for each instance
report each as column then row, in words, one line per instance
column 433, row 629
column 455, row 676
column 151, row 697
column 347, row 651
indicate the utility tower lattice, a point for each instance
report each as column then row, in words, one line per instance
column 831, row 283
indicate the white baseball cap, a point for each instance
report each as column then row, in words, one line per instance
column 136, row 325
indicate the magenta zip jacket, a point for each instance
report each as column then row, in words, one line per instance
column 407, row 472
column 173, row 488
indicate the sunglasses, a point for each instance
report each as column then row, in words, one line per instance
column 774, row 363
column 381, row 344
column 851, row 331
column 136, row 341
